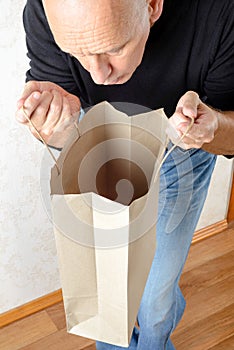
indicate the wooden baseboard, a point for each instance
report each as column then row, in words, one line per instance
column 56, row 297
column 209, row 231
column 230, row 215
column 30, row 308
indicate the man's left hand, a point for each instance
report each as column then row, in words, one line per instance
column 205, row 122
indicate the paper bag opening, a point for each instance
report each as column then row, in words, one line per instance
column 112, row 166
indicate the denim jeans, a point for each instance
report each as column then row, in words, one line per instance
column 184, row 181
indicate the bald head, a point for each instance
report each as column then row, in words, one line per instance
column 92, row 31
column 88, row 22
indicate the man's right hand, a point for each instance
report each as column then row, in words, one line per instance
column 52, row 110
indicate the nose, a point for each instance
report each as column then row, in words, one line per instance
column 99, row 68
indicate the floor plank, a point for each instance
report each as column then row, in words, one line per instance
column 228, row 344
column 208, row 285
column 208, row 274
column 56, row 313
column 208, row 323
column 26, row 331
column 208, row 302
column 209, row 249
column 61, row 340
column 207, row 332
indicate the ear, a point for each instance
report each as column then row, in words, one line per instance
column 155, row 8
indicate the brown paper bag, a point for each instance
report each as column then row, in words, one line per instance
column 104, row 203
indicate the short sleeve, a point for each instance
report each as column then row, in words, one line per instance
column 219, row 83
column 47, row 61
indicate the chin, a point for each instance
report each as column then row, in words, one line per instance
column 122, row 80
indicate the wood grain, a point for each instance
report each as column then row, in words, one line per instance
column 208, row 322
column 56, row 297
column 26, row 331
column 209, row 231
column 227, row 344
column 30, row 308
column 60, row 340
column 210, row 249
column 208, row 302
column 207, row 332
column 56, row 313
column 198, row 279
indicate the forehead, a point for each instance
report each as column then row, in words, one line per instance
column 80, row 25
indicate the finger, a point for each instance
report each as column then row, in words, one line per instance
column 178, row 134
column 20, row 103
column 202, row 132
column 178, row 117
column 65, row 122
column 40, row 113
column 194, row 136
column 74, row 104
column 188, row 143
column 29, row 88
column 66, row 119
column 184, row 141
column 189, row 136
column 188, row 104
column 30, row 104
column 54, row 112
column 197, row 135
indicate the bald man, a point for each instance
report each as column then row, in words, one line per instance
column 176, row 54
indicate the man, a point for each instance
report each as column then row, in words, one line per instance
column 172, row 54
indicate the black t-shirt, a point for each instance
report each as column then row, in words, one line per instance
column 190, row 47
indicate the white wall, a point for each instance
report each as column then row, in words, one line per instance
column 28, row 263
column 217, row 201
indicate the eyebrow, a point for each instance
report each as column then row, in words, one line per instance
column 116, row 49
column 113, row 50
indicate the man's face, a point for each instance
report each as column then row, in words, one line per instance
column 107, row 37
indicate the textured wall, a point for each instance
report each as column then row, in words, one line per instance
column 28, row 263
column 28, row 267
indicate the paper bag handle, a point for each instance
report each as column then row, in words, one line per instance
column 173, row 147
column 77, row 128
column 42, row 138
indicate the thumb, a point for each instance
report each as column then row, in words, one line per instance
column 188, row 104
column 29, row 88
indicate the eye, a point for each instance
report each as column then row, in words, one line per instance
column 118, row 51
column 115, row 52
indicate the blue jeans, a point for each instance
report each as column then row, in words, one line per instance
column 184, row 181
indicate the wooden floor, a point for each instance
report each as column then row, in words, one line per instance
column 208, row 323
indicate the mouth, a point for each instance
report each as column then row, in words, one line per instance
column 113, row 82
column 120, row 80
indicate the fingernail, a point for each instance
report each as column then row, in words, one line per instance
column 36, row 95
